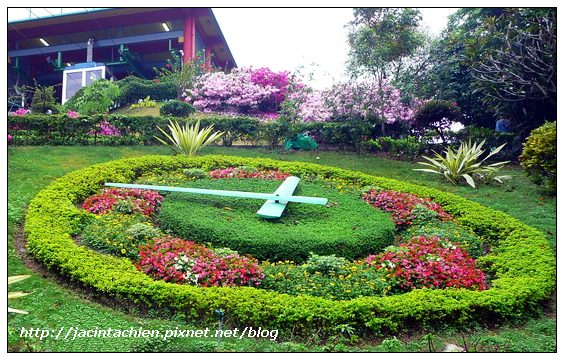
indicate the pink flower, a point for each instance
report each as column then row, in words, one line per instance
column 72, row 114
column 21, row 112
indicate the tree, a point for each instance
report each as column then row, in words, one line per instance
column 44, row 100
column 513, row 64
column 379, row 39
column 181, row 75
column 95, row 98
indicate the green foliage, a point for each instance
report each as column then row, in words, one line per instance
column 325, row 264
column 188, row 140
column 96, row 98
column 348, row 227
column 132, row 89
column 492, row 139
column 447, row 230
column 177, row 108
column 180, row 74
column 379, row 37
column 147, row 102
column 405, row 148
column 44, row 100
column 465, row 163
column 539, row 156
column 437, row 115
column 350, row 280
column 521, row 263
column 118, row 234
column 195, row 173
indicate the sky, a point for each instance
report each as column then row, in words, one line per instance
column 311, row 40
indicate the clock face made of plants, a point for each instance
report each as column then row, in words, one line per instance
column 272, row 209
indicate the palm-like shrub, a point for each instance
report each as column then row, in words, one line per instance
column 188, row 140
column 16, row 294
column 464, row 163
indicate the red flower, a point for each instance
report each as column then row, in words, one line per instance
column 429, row 262
column 401, row 205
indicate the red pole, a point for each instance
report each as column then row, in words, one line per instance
column 189, row 47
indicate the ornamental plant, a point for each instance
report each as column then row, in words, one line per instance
column 188, row 140
column 96, row 98
column 21, row 112
column 128, row 201
column 465, row 163
column 236, row 90
column 17, row 294
column 72, row 114
column 268, row 78
column 248, row 173
column 437, row 115
column 350, row 280
column 177, row 108
column 539, row 156
column 185, row 262
column 429, row 262
column 368, row 101
column 403, row 206
column 119, row 234
column 106, row 129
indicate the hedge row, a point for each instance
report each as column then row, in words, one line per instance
column 521, row 263
column 141, row 130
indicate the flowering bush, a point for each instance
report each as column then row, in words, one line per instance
column 127, row 201
column 247, row 173
column 119, row 234
column 105, row 129
column 402, row 205
column 352, row 280
column 21, row 112
column 185, row 262
column 218, row 91
column 10, row 138
column 366, row 100
column 268, row 78
column 352, row 101
column 429, row 262
column 72, row 114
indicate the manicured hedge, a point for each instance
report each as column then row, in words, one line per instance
column 349, row 227
column 521, row 263
column 141, row 130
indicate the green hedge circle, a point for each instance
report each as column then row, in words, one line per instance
column 347, row 227
column 521, row 261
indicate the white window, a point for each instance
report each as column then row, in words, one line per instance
column 75, row 79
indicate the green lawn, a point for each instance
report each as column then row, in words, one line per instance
column 52, row 306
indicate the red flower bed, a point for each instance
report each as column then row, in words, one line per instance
column 145, row 202
column 233, row 172
column 401, row 205
column 185, row 262
column 429, row 263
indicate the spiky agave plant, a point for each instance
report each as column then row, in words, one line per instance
column 464, row 163
column 16, row 294
column 188, row 140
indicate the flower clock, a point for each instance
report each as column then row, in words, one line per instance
column 381, row 256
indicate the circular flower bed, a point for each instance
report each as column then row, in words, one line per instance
column 520, row 266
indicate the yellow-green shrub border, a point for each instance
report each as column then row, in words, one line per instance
column 521, row 261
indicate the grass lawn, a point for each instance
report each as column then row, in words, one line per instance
column 52, row 306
